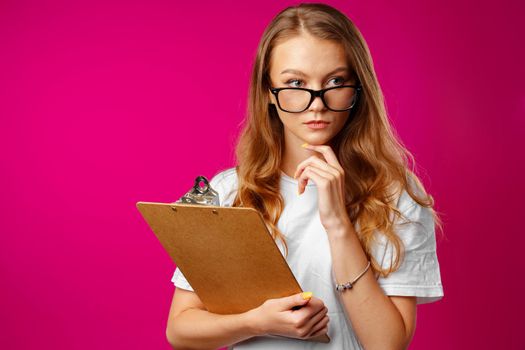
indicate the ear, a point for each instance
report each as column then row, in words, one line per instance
column 271, row 97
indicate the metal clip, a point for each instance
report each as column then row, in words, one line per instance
column 204, row 195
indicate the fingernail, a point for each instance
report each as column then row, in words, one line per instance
column 304, row 144
column 307, row 295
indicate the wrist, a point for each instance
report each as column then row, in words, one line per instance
column 343, row 229
column 252, row 321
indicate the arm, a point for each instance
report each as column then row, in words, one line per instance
column 190, row 326
column 380, row 322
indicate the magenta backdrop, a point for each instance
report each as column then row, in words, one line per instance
column 100, row 105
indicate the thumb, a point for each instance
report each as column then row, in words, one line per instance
column 294, row 300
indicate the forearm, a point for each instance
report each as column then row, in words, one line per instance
column 200, row 329
column 375, row 319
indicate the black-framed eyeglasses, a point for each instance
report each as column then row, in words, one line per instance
column 296, row 100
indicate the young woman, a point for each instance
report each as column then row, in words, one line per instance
column 319, row 159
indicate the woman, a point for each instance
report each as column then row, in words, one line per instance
column 320, row 161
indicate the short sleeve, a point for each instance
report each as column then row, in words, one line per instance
column 180, row 281
column 419, row 273
column 225, row 184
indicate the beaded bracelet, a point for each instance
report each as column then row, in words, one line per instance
column 349, row 285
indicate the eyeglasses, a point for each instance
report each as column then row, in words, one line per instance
column 296, row 100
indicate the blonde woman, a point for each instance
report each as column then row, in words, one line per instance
column 319, row 159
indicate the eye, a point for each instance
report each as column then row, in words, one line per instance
column 291, row 82
column 338, row 80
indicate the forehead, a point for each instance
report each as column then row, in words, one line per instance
column 308, row 54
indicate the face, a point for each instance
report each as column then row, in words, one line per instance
column 307, row 62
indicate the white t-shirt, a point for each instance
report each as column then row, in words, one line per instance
column 309, row 258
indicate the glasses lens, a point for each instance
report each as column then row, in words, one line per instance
column 340, row 98
column 293, row 100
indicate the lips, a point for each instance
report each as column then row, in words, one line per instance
column 317, row 122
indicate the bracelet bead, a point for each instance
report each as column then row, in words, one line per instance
column 348, row 285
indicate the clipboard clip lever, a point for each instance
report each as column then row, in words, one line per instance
column 200, row 195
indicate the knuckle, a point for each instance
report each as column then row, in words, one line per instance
column 298, row 324
column 303, row 333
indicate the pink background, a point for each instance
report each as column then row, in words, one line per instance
column 99, row 107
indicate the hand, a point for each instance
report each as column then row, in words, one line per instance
column 275, row 316
column 329, row 177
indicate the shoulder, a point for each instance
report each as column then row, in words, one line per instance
column 225, row 183
column 415, row 229
column 414, row 213
column 224, row 177
column 410, row 208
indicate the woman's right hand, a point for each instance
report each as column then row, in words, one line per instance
column 276, row 317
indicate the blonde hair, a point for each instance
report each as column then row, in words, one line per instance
column 376, row 164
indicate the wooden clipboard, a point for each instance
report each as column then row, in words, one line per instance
column 226, row 253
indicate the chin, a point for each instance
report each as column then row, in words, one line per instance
column 319, row 140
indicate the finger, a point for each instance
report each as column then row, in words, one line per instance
column 315, row 319
column 319, row 325
column 322, row 331
column 320, row 177
column 294, row 301
column 317, row 305
column 328, row 154
column 307, row 312
column 321, row 164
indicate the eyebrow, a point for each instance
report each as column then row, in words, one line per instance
column 298, row 72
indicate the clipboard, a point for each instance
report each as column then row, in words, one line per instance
column 226, row 253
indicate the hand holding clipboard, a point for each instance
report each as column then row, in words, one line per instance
column 226, row 254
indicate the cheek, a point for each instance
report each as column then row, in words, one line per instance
column 286, row 119
column 341, row 121
column 291, row 123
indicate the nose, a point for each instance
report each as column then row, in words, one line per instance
column 317, row 104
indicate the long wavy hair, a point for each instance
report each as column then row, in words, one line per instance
column 377, row 166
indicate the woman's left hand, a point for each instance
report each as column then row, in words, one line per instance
column 329, row 177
